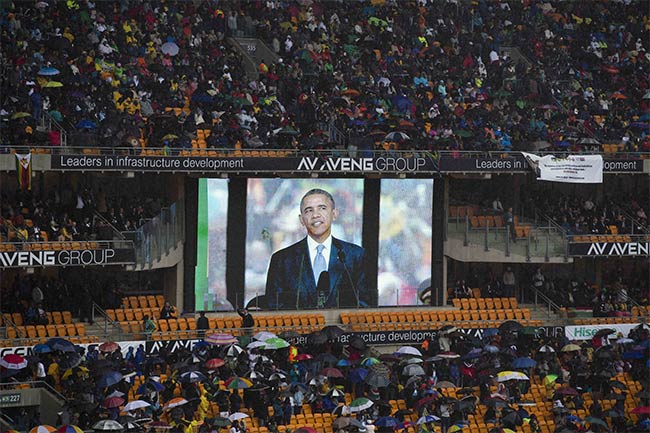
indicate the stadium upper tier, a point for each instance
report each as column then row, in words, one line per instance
column 368, row 75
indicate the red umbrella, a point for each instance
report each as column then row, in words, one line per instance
column 331, row 372
column 641, row 410
column 567, row 390
column 303, row 357
column 213, row 363
column 305, row 429
column 109, row 347
column 112, row 402
column 13, row 361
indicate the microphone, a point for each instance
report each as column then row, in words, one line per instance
column 322, row 287
column 341, row 257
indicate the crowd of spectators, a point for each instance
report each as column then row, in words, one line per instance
column 496, row 370
column 71, row 214
column 434, row 71
column 579, row 214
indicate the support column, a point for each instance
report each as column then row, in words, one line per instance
column 440, row 197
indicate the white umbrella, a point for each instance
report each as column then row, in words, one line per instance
column 135, row 404
column 169, row 48
column 237, row 416
column 413, row 370
column 234, row 350
column 115, row 393
column 255, row 344
column 264, row 335
column 409, row 350
column 505, row 376
column 107, row 424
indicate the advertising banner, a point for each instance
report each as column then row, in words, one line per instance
column 397, row 164
column 27, row 351
column 98, row 257
column 587, row 332
column 567, row 169
column 607, row 249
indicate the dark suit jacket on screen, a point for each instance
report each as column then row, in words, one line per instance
column 290, row 281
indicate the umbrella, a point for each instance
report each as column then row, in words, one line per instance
column 316, row 338
column 524, row 362
column 303, row 357
column 345, row 422
column 48, row 72
column 546, row 349
column 463, row 133
column 409, row 350
column 357, row 375
column 425, row 419
column 110, row 346
column 505, row 376
column 550, row 378
column 413, row 370
column 20, row 115
column 13, row 361
column 220, row 422
column 107, row 425
column 397, row 137
column 567, row 390
column 604, row 332
column 276, row 343
column 377, row 380
column 331, row 372
column 617, row 384
column 221, row 339
column 175, row 402
column 633, row 355
column 89, row 124
column 343, row 363
column 446, row 384
column 512, row 418
column 597, row 421
column 455, row 428
column 256, row 345
column 44, row 428
column 510, row 326
column 496, row 402
column 237, row 416
column 109, row 379
column 333, row 332
column 264, row 335
column 134, row 405
column 238, row 383
column 169, row 137
column 214, row 363
column 448, row 355
column 52, row 84
column 641, row 410
column 42, row 348
column 571, row 348
column 192, row 377
column 234, row 350
column 370, row 361
column 150, row 385
column 69, row 429
column 113, row 402
column 169, row 48
column 360, row 404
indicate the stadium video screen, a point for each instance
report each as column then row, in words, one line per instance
column 277, row 256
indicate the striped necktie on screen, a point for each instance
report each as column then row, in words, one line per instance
column 319, row 262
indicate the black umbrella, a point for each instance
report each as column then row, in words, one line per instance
column 496, row 402
column 333, row 332
column 617, row 397
column 377, row 380
column 604, row 332
column 512, row 418
column 345, row 422
column 510, row 326
column 317, row 338
column 357, row 343
column 617, row 384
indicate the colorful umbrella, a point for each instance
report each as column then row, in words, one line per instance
column 69, row 429
column 264, row 335
column 108, row 347
column 214, row 363
column 360, row 404
column 113, row 402
column 175, row 402
column 276, row 343
column 238, row 383
column 505, row 376
column 13, row 361
column 641, row 410
column 44, row 428
column 48, row 72
column 220, row 339
column 20, row 115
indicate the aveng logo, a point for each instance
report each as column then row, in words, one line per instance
column 387, row 164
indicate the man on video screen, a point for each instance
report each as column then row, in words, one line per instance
column 319, row 271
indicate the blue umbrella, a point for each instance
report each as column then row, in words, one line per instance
column 633, row 355
column 343, row 363
column 358, row 375
column 48, row 72
column 386, row 421
column 86, row 124
column 109, row 379
column 524, row 362
column 645, row 344
column 573, row 418
column 42, row 348
column 151, row 385
column 60, row 344
column 490, row 332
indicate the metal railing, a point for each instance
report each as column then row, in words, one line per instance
column 49, row 123
column 99, row 315
column 116, row 232
column 159, row 235
column 9, row 322
column 551, row 308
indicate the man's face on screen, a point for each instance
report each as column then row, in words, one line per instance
column 316, row 215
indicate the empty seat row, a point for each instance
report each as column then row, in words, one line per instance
column 53, row 318
column 149, row 301
column 485, row 303
column 122, row 314
column 426, row 316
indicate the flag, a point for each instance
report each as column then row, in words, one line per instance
column 24, row 170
